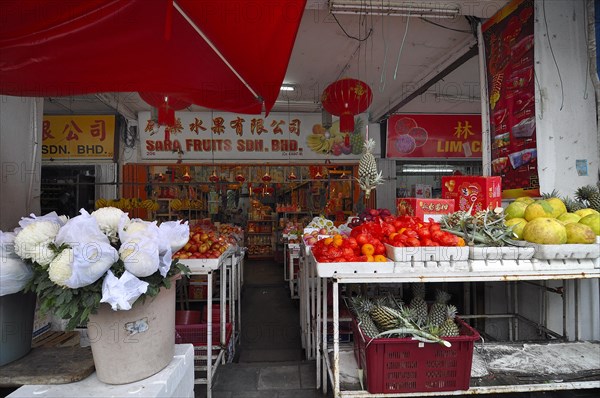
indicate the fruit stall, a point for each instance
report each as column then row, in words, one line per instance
column 372, row 274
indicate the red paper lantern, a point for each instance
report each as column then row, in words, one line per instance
column 346, row 98
column 266, row 177
column 213, row 177
column 166, row 105
column 240, row 178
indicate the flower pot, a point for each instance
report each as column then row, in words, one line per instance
column 132, row 345
column 16, row 323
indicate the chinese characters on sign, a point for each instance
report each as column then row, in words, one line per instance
column 434, row 136
column 199, row 136
column 78, row 137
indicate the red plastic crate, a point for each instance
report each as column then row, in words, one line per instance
column 399, row 365
column 187, row 317
column 196, row 334
column 216, row 313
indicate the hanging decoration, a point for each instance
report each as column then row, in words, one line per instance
column 368, row 177
column 166, row 106
column 214, row 177
column 240, row 178
column 345, row 98
column 292, row 176
column 186, row 177
column 266, row 177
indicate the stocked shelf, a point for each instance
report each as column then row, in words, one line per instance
column 318, row 283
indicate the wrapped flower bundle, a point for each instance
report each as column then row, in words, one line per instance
column 75, row 264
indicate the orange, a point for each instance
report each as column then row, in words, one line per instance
column 367, row 249
column 327, row 241
column 380, row 258
column 370, row 258
column 337, row 240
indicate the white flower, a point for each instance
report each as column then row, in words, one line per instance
column 140, row 256
column 108, row 219
column 122, row 292
column 61, row 268
column 33, row 241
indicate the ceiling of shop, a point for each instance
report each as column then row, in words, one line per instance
column 398, row 56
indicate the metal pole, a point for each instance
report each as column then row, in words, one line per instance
column 336, row 340
column 209, row 294
column 324, row 335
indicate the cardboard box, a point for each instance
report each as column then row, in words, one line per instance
column 480, row 192
column 422, row 191
column 424, row 208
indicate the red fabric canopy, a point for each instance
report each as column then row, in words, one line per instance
column 63, row 48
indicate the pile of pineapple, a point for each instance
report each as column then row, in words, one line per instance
column 388, row 317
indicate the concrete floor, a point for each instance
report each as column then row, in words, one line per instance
column 269, row 360
column 269, row 363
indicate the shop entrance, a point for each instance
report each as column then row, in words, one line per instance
column 66, row 189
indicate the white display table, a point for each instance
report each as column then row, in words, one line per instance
column 176, row 380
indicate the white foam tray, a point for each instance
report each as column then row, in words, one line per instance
column 501, row 253
column 427, row 253
column 203, row 265
column 566, row 251
column 327, row 270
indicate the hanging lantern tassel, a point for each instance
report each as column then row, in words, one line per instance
column 368, row 178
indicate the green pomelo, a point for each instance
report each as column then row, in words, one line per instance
column 525, row 199
column 585, row 212
column 515, row 210
column 558, row 207
column 569, row 218
column 579, row 233
column 517, row 225
column 592, row 221
column 537, row 209
column 546, row 231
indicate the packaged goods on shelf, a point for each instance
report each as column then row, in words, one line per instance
column 424, row 208
column 473, row 192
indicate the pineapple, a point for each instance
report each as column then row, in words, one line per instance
column 367, row 325
column 553, row 194
column 449, row 327
column 368, row 178
column 437, row 313
column 385, row 318
column 418, row 304
column 590, row 195
column 572, row 205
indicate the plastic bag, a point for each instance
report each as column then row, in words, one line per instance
column 91, row 255
column 60, row 220
column 122, row 292
column 175, row 233
column 140, row 256
column 14, row 272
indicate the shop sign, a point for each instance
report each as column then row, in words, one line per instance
column 226, row 136
column 70, row 137
column 509, row 39
column 433, row 136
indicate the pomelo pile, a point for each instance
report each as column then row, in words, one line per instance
column 547, row 221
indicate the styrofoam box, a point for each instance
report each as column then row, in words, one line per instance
column 500, row 253
column 575, row 264
column 203, row 265
column 175, row 380
column 431, row 267
column 501, row 265
column 427, row 253
column 557, row 252
column 326, row 270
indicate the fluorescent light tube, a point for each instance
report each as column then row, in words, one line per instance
column 287, row 87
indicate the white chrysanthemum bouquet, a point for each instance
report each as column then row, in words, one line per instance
column 75, row 264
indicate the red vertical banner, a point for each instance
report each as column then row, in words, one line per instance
column 509, row 39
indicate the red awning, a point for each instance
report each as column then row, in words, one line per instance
column 229, row 55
